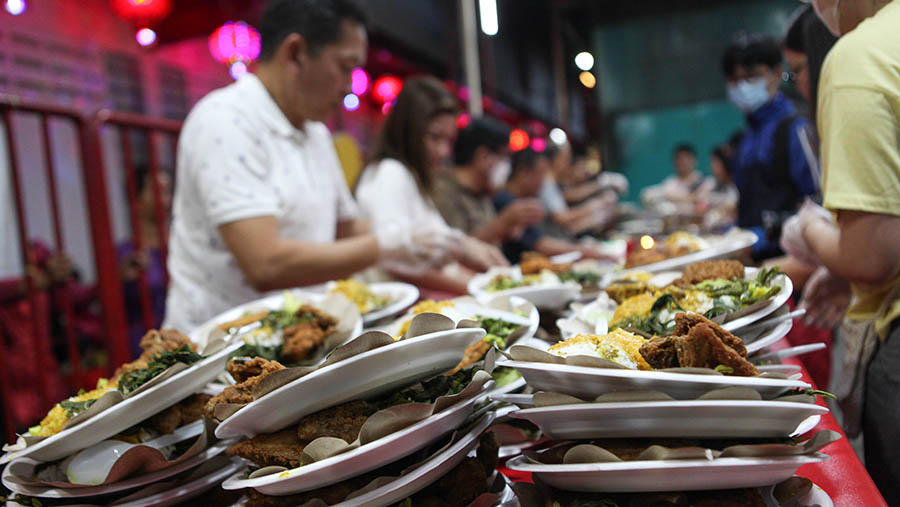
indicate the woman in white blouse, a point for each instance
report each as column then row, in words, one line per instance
column 394, row 191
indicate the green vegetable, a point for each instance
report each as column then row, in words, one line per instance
column 268, row 352
column 503, row 282
column 74, row 408
column 725, row 370
column 503, row 376
column 134, row 379
column 498, row 330
column 428, row 390
column 583, row 278
column 809, row 392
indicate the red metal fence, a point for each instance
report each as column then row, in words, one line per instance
column 109, row 291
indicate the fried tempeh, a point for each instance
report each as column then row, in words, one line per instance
column 281, row 448
column 342, row 421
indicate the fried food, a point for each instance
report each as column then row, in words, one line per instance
column 643, row 257
column 242, row 321
column 472, row 354
column 621, row 291
column 701, row 345
column 684, row 322
column 184, row 412
column 154, row 342
column 618, row 346
column 281, row 448
column 533, row 263
column 342, row 421
column 308, row 334
column 242, row 392
column 711, row 270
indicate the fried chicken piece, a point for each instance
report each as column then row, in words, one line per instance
column 533, row 263
column 684, row 322
column 644, row 257
column 152, row 343
column 472, row 354
column 241, row 369
column 711, row 270
column 281, row 448
column 184, row 412
column 342, row 421
column 660, row 352
column 703, row 348
column 302, row 338
column 243, row 392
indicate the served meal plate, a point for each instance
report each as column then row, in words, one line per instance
column 548, row 296
column 715, row 247
column 377, row 371
column 362, row 459
column 401, row 296
column 671, row 419
column 667, row 475
column 588, row 383
column 787, row 289
column 22, row 469
column 274, row 302
column 128, row 412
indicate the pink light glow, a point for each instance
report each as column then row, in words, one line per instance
column 538, row 144
column 237, row 69
column 387, row 88
column 463, row 120
column 359, row 81
column 233, row 42
column 145, row 37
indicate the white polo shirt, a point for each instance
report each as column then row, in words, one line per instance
column 239, row 157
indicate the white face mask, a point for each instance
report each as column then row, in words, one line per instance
column 749, row 94
column 829, row 14
column 500, row 173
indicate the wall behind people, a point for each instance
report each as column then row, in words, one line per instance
column 89, row 64
column 659, row 83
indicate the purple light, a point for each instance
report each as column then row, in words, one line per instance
column 359, row 81
column 351, row 102
column 145, row 37
column 538, row 144
column 237, row 69
column 15, row 7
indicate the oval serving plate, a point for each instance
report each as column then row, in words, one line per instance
column 375, row 372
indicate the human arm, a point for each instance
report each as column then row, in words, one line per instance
column 865, row 248
column 436, row 279
column 353, row 227
column 579, row 193
column 510, row 221
column 271, row 262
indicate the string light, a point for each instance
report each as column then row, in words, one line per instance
column 518, row 140
column 15, row 7
column 145, row 37
column 359, row 81
column 558, row 135
column 587, row 79
column 584, row 61
column 351, row 102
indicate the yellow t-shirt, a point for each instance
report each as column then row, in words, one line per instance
column 859, row 125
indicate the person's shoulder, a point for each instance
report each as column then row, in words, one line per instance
column 386, row 170
column 869, row 55
column 317, row 132
column 215, row 105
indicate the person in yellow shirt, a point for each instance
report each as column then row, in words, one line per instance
column 859, row 124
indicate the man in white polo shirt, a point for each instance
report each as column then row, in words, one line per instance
column 260, row 201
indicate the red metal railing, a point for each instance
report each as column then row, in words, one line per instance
column 109, row 283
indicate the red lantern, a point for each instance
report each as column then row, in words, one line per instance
column 235, row 41
column 142, row 12
column 386, row 89
column 518, row 140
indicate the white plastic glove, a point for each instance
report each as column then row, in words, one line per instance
column 478, row 255
column 826, row 299
column 412, row 251
column 792, row 240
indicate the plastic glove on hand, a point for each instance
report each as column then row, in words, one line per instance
column 826, row 299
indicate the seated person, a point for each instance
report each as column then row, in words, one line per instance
column 680, row 188
column 463, row 194
column 591, row 215
column 587, row 179
column 718, row 195
column 529, row 169
column 397, row 187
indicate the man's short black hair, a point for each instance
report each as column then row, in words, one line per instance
column 750, row 50
column 318, row 21
column 484, row 131
column 685, row 148
column 525, row 160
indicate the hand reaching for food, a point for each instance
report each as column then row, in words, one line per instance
column 478, row 255
column 826, row 299
column 411, row 250
column 523, row 212
column 792, row 239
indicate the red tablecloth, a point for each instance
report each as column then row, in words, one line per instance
column 843, row 477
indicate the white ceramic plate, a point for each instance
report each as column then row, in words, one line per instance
column 273, row 302
column 360, row 460
column 667, row 475
column 769, row 337
column 128, row 412
column 588, row 383
column 544, row 296
column 520, row 384
column 23, row 468
column 671, row 419
column 402, row 296
column 184, row 492
column 787, row 288
column 720, row 247
column 366, row 375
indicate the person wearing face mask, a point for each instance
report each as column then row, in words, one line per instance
column 417, row 137
column 771, row 169
column 463, row 194
column 260, row 201
column 856, row 236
